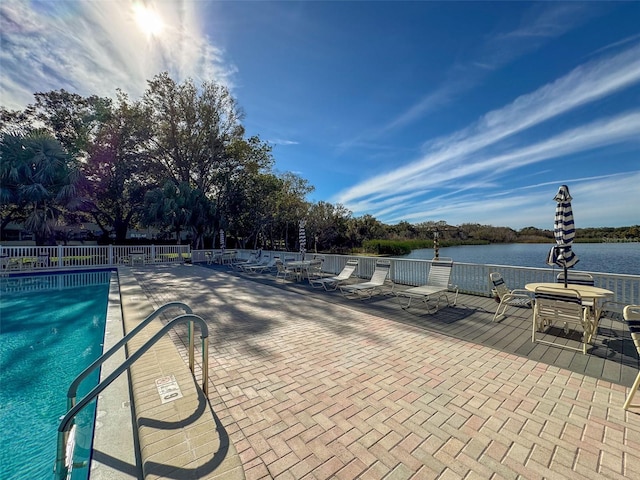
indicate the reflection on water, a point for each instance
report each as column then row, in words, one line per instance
column 594, row 257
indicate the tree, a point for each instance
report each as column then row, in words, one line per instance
column 192, row 130
column 116, row 169
column 38, row 181
column 327, row 225
column 71, row 118
column 364, row 228
column 177, row 208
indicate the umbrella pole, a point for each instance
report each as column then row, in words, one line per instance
column 565, row 275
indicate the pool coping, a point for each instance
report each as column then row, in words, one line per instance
column 113, row 454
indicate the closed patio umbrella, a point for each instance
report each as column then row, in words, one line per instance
column 302, row 238
column 564, row 232
column 223, row 245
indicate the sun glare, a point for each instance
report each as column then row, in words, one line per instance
column 148, row 20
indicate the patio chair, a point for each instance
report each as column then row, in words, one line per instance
column 313, row 271
column 577, row 278
column 282, row 271
column 507, row 298
column 332, row 283
column 437, row 286
column 374, row 285
column 565, row 307
column 631, row 314
column 42, row 260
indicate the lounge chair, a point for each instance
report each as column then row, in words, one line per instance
column 374, row 285
column 263, row 262
column 437, row 286
column 263, row 267
column 507, row 298
column 562, row 306
column 631, row 314
column 237, row 264
column 332, row 283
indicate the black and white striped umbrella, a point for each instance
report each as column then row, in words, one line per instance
column 302, row 238
column 564, row 232
column 223, row 245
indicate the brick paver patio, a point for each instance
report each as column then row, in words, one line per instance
column 310, row 389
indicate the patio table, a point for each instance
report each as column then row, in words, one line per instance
column 300, row 266
column 587, row 292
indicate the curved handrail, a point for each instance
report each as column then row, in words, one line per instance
column 73, row 388
column 66, row 422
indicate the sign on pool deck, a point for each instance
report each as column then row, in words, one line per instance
column 168, row 388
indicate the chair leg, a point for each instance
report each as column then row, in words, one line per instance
column 632, row 393
column 498, row 313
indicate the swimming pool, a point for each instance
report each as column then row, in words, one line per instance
column 51, row 328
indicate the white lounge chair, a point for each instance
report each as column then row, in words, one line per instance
column 247, row 267
column 332, row 283
column 508, row 298
column 254, row 258
column 437, row 286
column 374, row 285
column 263, row 267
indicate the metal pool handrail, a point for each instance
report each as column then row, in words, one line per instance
column 60, row 468
column 73, row 388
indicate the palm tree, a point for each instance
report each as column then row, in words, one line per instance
column 38, row 181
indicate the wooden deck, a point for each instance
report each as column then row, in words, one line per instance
column 613, row 356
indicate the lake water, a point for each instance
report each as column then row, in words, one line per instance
column 594, row 257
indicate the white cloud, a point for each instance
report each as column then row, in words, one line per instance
column 464, row 154
column 609, row 200
column 95, row 47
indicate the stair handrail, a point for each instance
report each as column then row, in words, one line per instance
column 60, row 468
column 73, row 388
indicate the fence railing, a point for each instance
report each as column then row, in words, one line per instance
column 21, row 258
column 469, row 277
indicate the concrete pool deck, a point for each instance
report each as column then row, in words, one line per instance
column 309, row 388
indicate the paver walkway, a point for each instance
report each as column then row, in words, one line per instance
column 308, row 389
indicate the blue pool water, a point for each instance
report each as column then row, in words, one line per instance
column 51, row 328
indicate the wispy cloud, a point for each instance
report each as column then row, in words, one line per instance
column 465, row 154
column 594, row 199
column 95, row 47
column 539, row 25
column 283, row 142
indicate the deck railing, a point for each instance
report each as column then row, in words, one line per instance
column 469, row 277
column 473, row 278
column 21, row 258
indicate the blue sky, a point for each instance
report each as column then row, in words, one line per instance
column 467, row 112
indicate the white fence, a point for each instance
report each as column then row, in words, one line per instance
column 469, row 277
column 28, row 258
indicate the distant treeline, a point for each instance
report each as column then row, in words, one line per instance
column 421, row 236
